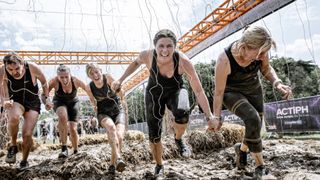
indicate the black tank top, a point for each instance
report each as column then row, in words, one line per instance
column 62, row 96
column 21, row 90
column 242, row 77
column 104, row 94
column 174, row 82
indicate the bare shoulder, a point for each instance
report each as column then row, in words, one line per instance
column 54, row 80
column 2, row 71
column 145, row 57
column 223, row 59
column 109, row 77
column 34, row 68
column 146, row 54
column 184, row 63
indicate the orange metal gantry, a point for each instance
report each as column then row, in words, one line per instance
column 227, row 12
column 69, row 57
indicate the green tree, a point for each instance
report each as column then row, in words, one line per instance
column 136, row 108
column 302, row 76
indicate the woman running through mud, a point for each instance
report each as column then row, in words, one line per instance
column 165, row 88
column 66, row 106
column 110, row 107
column 238, row 87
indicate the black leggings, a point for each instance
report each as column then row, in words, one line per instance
column 248, row 105
column 155, row 101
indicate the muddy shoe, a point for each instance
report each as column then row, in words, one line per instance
column 120, row 165
column 11, row 156
column 112, row 170
column 241, row 157
column 260, row 172
column 159, row 170
column 23, row 165
column 64, row 152
column 183, row 148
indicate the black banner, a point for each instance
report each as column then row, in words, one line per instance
column 297, row 115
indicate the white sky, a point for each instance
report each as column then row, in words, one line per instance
column 129, row 25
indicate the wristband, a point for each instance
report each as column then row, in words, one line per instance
column 217, row 117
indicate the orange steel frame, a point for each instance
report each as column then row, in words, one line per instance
column 227, row 12
column 67, row 57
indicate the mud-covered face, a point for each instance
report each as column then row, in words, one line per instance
column 16, row 70
column 95, row 74
column 254, row 55
column 165, row 49
column 64, row 77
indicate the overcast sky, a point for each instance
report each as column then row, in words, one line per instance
column 129, row 25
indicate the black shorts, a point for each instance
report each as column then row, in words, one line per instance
column 117, row 119
column 71, row 106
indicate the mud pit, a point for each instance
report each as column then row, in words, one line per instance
column 213, row 158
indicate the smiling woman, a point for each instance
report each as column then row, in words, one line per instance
column 165, row 89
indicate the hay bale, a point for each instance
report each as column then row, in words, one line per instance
column 134, row 135
column 232, row 133
column 207, row 141
column 93, row 139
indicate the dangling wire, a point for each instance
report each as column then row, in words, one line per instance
column 64, row 24
column 81, row 27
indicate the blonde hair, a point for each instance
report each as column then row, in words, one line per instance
column 91, row 66
column 256, row 37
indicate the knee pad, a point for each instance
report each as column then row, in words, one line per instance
column 182, row 119
column 183, row 100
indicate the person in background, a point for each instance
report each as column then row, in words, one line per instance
column 66, row 106
column 111, row 112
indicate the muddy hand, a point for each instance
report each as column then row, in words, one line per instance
column 286, row 91
column 116, row 86
column 8, row 104
column 214, row 124
column 49, row 105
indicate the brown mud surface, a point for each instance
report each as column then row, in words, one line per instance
column 212, row 158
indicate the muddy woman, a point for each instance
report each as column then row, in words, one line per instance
column 238, row 87
column 66, row 106
column 165, row 88
column 111, row 112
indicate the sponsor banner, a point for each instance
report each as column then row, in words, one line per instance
column 197, row 121
column 294, row 115
column 229, row 117
column 297, row 115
